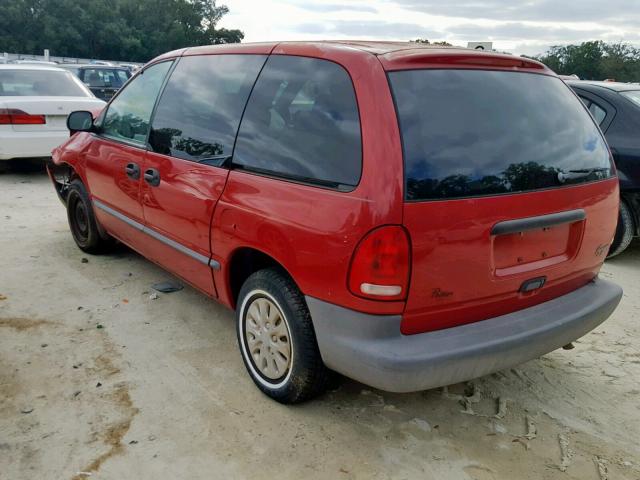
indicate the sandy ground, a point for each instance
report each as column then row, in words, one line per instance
column 96, row 377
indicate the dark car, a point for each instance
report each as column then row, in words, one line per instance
column 360, row 205
column 616, row 107
column 103, row 80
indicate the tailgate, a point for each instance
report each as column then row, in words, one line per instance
column 511, row 197
column 465, row 269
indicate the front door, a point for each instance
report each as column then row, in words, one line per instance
column 191, row 141
column 115, row 158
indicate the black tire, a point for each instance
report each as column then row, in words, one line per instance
column 624, row 231
column 306, row 375
column 82, row 221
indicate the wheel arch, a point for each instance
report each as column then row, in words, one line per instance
column 245, row 261
column 61, row 175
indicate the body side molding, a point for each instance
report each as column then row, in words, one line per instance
column 158, row 236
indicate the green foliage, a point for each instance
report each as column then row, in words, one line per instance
column 595, row 60
column 134, row 30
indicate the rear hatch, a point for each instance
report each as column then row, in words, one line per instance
column 510, row 194
column 55, row 110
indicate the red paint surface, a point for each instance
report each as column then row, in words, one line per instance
column 460, row 273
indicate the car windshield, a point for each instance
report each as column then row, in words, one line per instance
column 40, row 83
column 469, row 133
column 105, row 77
column 633, row 95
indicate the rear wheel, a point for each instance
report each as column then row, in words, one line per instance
column 82, row 221
column 624, row 231
column 277, row 340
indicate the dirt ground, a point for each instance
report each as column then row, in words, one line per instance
column 100, row 381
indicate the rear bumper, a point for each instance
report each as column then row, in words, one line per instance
column 30, row 144
column 371, row 349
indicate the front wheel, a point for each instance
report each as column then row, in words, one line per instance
column 277, row 340
column 82, row 221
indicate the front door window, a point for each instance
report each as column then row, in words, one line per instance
column 128, row 115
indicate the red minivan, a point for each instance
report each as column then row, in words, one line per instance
column 407, row 216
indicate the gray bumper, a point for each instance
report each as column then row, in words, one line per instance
column 371, row 349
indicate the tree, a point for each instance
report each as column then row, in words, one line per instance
column 134, row 30
column 595, row 60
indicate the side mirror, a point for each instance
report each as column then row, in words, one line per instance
column 81, row 121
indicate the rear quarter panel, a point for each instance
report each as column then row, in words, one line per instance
column 313, row 231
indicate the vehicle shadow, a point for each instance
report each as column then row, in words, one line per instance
column 23, row 165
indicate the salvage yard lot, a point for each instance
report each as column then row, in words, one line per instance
column 100, row 380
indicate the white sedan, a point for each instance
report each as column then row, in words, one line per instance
column 35, row 101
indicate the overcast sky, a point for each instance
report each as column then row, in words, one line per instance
column 518, row 26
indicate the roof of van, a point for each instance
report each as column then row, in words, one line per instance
column 371, row 46
column 392, row 54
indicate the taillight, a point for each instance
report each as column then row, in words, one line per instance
column 13, row 116
column 380, row 265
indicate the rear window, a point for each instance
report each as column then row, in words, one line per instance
column 633, row 95
column 470, row 133
column 105, row 77
column 302, row 123
column 40, row 83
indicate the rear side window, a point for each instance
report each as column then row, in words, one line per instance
column 200, row 108
column 302, row 123
column 472, row 132
column 596, row 110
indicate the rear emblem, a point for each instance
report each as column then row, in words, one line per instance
column 438, row 293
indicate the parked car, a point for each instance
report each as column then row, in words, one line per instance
column 132, row 67
column 72, row 67
column 407, row 216
column 104, row 81
column 34, row 103
column 616, row 107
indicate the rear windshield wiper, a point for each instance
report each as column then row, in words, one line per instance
column 581, row 173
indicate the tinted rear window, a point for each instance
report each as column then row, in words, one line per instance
column 302, row 123
column 40, row 83
column 470, row 133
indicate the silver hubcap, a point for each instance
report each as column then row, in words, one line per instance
column 267, row 337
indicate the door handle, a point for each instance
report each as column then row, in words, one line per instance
column 152, row 177
column 542, row 221
column 133, row 171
